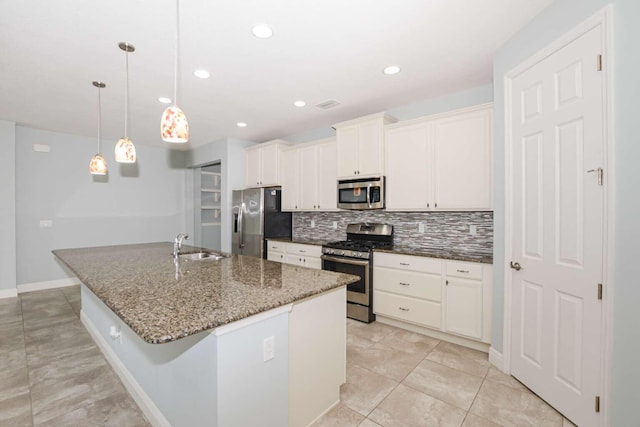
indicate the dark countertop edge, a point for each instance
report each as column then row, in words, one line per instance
column 455, row 256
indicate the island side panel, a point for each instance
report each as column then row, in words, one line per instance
column 317, row 353
column 173, row 383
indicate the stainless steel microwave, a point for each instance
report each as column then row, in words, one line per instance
column 361, row 194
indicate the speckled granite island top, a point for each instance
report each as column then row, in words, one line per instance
column 163, row 302
column 450, row 254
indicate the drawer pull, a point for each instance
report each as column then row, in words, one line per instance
column 403, row 309
column 405, row 263
column 405, row 284
column 301, row 251
column 462, row 271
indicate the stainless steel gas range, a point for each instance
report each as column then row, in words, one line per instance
column 355, row 256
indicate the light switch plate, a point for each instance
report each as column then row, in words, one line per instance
column 421, row 227
column 313, row 223
column 473, row 230
column 46, row 223
column 335, row 225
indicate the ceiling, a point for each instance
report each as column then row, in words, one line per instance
column 320, row 50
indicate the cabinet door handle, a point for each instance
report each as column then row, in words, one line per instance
column 403, row 309
column 354, row 172
column 427, row 204
column 462, row 271
column 436, row 205
column 302, row 251
column 304, row 260
column 404, row 263
column 446, row 282
column 405, row 284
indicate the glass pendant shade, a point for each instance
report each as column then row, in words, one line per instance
column 125, row 151
column 98, row 165
column 174, row 126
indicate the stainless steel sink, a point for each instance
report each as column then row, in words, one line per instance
column 202, row 256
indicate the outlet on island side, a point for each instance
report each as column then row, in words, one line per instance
column 473, row 230
column 268, row 349
column 313, row 223
column 421, row 227
column 335, row 225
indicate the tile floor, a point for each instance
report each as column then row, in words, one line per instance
column 52, row 374
column 399, row 378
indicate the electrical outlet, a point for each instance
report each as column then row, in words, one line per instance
column 421, row 227
column 313, row 223
column 46, row 223
column 473, row 230
column 116, row 333
column 335, row 225
column 268, row 348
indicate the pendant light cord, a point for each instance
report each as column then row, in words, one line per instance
column 99, row 122
column 175, row 74
column 126, row 96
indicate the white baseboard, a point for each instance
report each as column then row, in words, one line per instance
column 8, row 293
column 146, row 405
column 497, row 359
column 47, row 284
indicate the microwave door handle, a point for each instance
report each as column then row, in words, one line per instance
column 369, row 196
column 240, row 225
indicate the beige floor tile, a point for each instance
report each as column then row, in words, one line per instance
column 15, row 359
column 11, row 337
column 476, row 421
column 373, row 331
column 447, row 384
column 407, row 407
column 55, row 369
column 32, row 300
column 410, row 342
column 567, row 423
column 385, row 361
column 118, row 410
column 339, row 416
column 76, row 307
column 71, row 292
column 13, row 382
column 354, row 342
column 364, row 389
column 368, row 423
column 497, row 376
column 471, row 361
column 16, row 410
column 508, row 406
column 10, row 310
column 59, row 339
column 54, row 315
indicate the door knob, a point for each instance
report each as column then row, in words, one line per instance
column 516, row 266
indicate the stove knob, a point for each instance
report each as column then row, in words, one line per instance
column 331, row 251
column 342, row 253
column 357, row 254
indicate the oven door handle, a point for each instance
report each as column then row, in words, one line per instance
column 344, row 260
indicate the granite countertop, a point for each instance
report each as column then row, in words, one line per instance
column 451, row 254
column 163, row 302
column 302, row 241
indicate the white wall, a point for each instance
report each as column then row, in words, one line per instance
column 143, row 202
column 557, row 19
column 7, row 209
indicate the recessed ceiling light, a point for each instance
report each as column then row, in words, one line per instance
column 241, row 124
column 262, row 31
column 392, row 69
column 202, row 74
column 299, row 103
column 164, row 100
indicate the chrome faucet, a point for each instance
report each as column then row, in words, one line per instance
column 177, row 243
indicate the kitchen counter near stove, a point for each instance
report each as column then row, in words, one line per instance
column 301, row 241
column 450, row 254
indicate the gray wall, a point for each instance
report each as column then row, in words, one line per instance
column 143, row 202
column 557, row 19
column 7, row 206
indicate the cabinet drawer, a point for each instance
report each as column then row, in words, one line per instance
column 464, row 269
column 275, row 256
column 304, row 250
column 408, row 283
column 413, row 310
column 275, row 246
column 408, row 262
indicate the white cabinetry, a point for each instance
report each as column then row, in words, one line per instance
column 361, row 146
column 295, row 253
column 441, row 162
column 309, row 177
column 263, row 164
column 451, row 297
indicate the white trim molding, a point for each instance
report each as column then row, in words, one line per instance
column 150, row 410
column 47, row 284
column 8, row 293
column 497, row 359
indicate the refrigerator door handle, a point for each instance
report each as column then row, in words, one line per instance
column 240, row 226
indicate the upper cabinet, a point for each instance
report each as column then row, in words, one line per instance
column 441, row 162
column 360, row 146
column 309, row 177
column 263, row 164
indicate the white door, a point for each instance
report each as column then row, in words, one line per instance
column 252, row 160
column 270, row 163
column 327, row 177
column 557, row 137
column 370, row 148
column 308, row 178
column 347, row 138
column 290, row 180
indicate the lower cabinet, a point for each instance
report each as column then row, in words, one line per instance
column 449, row 296
column 295, row 253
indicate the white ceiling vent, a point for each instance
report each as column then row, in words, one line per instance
column 328, row 104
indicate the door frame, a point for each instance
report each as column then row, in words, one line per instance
column 601, row 18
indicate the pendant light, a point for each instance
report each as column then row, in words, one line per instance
column 98, row 165
column 173, row 124
column 125, row 150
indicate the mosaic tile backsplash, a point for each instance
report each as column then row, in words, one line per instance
column 443, row 230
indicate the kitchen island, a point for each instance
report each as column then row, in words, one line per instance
column 239, row 341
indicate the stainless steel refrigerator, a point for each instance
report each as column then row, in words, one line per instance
column 257, row 216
